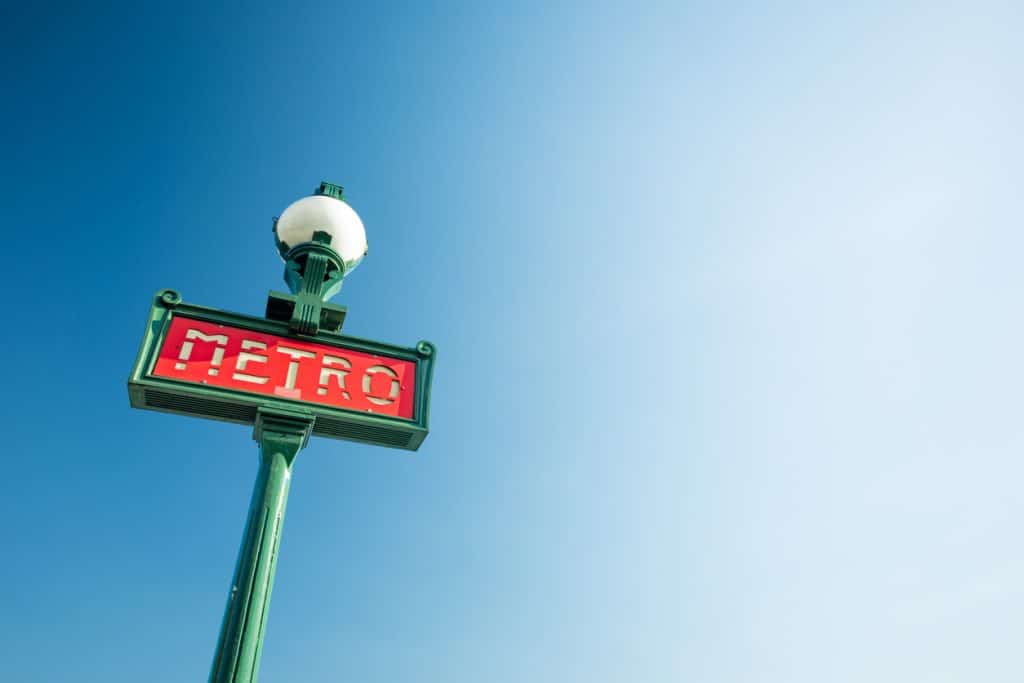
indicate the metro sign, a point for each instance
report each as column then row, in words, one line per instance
column 220, row 365
column 207, row 353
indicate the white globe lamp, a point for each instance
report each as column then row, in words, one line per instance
column 321, row 240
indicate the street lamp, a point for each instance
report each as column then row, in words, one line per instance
column 289, row 375
column 321, row 240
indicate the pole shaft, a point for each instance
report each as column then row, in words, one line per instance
column 241, row 636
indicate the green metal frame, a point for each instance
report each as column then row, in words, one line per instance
column 218, row 403
column 314, row 273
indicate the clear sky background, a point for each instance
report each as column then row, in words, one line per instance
column 727, row 303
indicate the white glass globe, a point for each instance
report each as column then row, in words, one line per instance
column 333, row 216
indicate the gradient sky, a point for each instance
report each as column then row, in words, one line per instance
column 726, row 298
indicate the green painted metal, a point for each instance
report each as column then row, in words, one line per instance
column 281, row 435
column 158, row 393
column 314, row 273
column 331, row 190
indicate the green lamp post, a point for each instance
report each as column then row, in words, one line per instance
column 290, row 375
column 321, row 240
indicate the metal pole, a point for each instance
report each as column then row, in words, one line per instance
column 281, row 435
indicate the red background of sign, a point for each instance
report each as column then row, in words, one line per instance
column 200, row 362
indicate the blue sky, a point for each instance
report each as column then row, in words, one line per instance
column 725, row 298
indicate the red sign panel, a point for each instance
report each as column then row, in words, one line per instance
column 260, row 363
